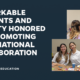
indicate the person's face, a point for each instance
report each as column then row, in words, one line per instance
column 72, row 46
column 63, row 48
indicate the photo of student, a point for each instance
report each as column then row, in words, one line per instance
column 74, row 54
column 62, row 56
column 75, row 30
column 65, row 55
column 73, row 24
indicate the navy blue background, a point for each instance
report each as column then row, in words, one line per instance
column 51, row 14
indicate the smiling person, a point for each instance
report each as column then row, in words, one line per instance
column 61, row 57
column 74, row 54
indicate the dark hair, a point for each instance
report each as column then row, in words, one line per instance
column 75, row 23
column 72, row 42
column 58, row 59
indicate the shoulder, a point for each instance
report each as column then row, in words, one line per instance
column 77, row 51
column 79, row 36
column 57, row 54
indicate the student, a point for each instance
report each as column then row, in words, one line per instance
column 75, row 28
column 74, row 54
column 61, row 57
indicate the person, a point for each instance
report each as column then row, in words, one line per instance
column 61, row 57
column 75, row 30
column 79, row 27
column 74, row 54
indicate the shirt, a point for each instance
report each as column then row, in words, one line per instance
column 75, row 58
column 62, row 60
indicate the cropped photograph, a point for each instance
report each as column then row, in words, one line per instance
column 73, row 24
column 65, row 55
